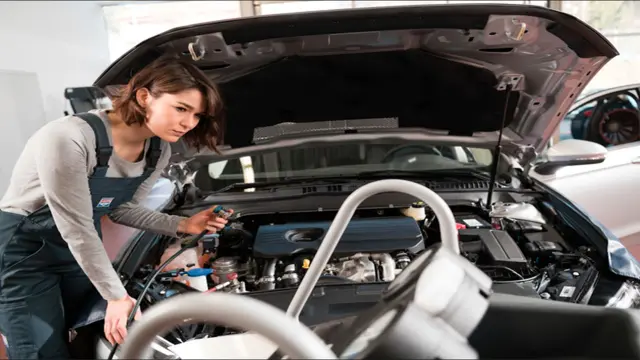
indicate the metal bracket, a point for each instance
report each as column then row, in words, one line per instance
column 515, row 80
column 196, row 50
column 526, row 154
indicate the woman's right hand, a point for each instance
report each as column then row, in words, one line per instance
column 115, row 320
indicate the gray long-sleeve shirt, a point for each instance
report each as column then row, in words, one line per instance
column 53, row 170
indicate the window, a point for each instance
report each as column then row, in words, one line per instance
column 610, row 120
column 130, row 24
column 618, row 21
column 283, row 6
column 525, row 2
column 336, row 160
column 366, row 3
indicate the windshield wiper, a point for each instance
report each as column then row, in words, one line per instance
column 435, row 173
column 286, row 181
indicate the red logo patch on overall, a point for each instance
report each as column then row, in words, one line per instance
column 104, row 202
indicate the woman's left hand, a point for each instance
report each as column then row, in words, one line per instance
column 204, row 220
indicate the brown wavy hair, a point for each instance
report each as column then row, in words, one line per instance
column 172, row 75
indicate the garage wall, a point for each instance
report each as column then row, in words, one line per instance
column 619, row 22
column 64, row 42
column 265, row 7
column 44, row 47
column 131, row 23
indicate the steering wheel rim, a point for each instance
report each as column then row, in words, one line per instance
column 231, row 310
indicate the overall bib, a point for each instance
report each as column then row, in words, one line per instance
column 42, row 287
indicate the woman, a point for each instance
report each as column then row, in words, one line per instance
column 75, row 170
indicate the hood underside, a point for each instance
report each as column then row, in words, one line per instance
column 434, row 70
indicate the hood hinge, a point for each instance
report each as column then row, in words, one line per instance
column 525, row 155
column 513, row 80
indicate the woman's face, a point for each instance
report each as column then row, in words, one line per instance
column 170, row 116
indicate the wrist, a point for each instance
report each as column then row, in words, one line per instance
column 183, row 226
column 118, row 299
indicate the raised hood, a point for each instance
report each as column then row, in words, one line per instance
column 442, row 72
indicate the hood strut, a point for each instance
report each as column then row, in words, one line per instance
column 498, row 150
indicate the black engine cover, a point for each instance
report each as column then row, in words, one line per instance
column 370, row 235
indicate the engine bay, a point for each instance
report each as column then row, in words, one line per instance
column 519, row 245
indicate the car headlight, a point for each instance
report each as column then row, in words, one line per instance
column 627, row 297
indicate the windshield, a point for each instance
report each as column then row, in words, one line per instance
column 343, row 160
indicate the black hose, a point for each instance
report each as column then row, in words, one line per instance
column 187, row 244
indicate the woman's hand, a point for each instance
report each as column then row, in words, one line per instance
column 204, row 220
column 115, row 320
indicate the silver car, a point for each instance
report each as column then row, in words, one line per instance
column 609, row 120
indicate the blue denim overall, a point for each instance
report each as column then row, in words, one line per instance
column 42, row 287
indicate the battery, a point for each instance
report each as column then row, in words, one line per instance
column 472, row 221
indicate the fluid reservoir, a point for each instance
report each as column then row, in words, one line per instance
column 188, row 257
column 416, row 211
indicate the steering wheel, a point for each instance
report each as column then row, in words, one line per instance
column 614, row 121
column 404, row 150
column 618, row 126
column 239, row 312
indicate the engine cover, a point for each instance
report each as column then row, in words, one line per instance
column 374, row 235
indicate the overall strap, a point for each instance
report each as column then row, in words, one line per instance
column 103, row 147
column 153, row 155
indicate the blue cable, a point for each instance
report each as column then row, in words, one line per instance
column 197, row 272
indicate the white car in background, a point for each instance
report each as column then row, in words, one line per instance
column 608, row 191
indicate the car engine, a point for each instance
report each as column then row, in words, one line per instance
column 371, row 249
column 514, row 244
column 523, row 247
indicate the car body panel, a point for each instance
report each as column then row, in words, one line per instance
column 442, row 47
column 606, row 191
column 621, row 260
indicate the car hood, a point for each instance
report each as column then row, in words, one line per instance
column 450, row 73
